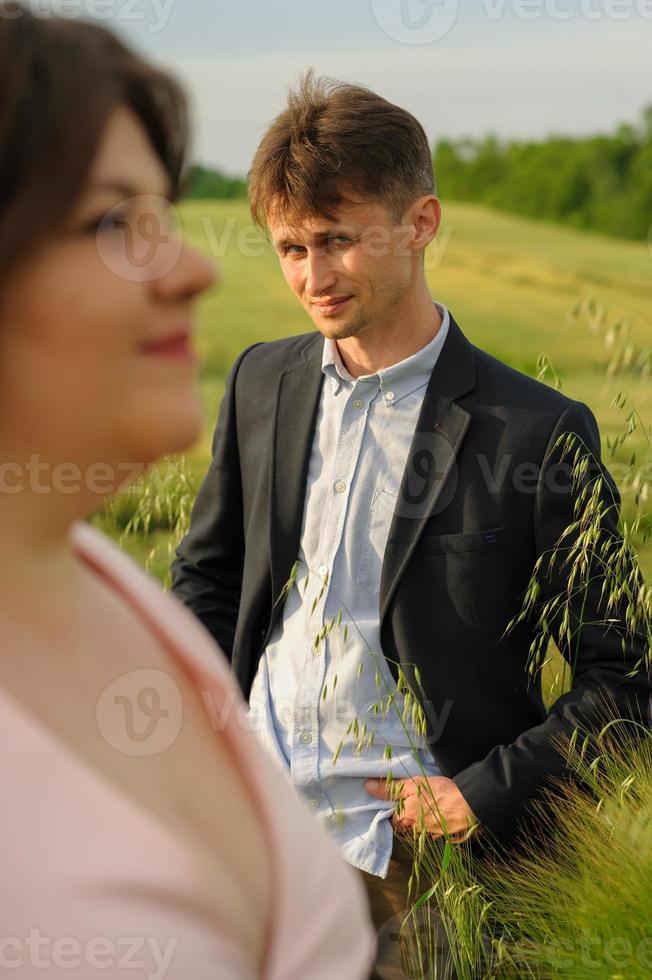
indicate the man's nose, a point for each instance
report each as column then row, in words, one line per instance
column 320, row 274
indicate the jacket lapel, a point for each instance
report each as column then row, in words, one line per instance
column 297, row 403
column 439, row 434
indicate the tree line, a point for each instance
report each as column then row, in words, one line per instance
column 601, row 183
column 203, row 182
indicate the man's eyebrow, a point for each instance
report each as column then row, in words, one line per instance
column 283, row 242
column 127, row 189
column 318, row 236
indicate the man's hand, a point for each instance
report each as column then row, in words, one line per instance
column 436, row 797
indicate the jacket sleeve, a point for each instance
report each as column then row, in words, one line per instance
column 207, row 572
column 501, row 788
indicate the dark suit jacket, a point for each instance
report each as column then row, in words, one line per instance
column 483, row 495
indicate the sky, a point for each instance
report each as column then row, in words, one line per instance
column 516, row 68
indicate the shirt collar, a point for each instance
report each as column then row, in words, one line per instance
column 398, row 379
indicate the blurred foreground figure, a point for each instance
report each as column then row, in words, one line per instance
column 141, row 829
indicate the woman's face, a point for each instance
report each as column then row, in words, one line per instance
column 95, row 356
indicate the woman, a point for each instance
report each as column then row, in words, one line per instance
column 141, row 829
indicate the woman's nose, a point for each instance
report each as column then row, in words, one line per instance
column 183, row 270
column 192, row 275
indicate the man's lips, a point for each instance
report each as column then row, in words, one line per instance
column 176, row 346
column 333, row 305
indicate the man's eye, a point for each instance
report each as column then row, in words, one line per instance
column 339, row 241
column 293, row 249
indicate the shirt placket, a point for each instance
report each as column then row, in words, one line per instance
column 305, row 759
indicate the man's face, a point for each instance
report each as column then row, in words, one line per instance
column 350, row 274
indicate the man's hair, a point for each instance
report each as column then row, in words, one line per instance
column 336, row 143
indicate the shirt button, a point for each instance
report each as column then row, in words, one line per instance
column 390, row 396
column 314, row 804
column 323, row 569
column 306, row 737
column 357, row 403
column 340, row 486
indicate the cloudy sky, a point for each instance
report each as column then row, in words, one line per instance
column 513, row 67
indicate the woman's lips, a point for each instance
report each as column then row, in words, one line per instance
column 177, row 347
column 334, row 307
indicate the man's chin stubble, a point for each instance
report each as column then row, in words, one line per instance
column 342, row 331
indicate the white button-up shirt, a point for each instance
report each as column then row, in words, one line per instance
column 319, row 700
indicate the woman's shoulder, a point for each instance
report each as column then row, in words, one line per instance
column 110, row 560
column 322, row 926
column 159, row 609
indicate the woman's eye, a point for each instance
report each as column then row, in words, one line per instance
column 104, row 223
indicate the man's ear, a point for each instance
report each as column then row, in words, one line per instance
column 424, row 215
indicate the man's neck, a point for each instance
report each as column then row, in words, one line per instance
column 410, row 329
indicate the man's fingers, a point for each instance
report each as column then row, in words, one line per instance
column 383, row 790
column 377, row 788
column 380, row 789
column 427, row 787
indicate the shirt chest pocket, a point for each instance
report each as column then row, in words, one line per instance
column 381, row 512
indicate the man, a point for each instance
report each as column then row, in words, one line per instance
column 379, row 494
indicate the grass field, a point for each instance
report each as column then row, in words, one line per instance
column 510, row 283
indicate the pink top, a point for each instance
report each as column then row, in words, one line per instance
column 92, row 885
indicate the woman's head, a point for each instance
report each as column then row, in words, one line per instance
column 92, row 274
column 61, row 79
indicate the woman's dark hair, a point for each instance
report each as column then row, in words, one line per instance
column 60, row 79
